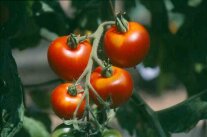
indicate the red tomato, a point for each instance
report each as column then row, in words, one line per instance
column 127, row 49
column 65, row 104
column 67, row 62
column 118, row 87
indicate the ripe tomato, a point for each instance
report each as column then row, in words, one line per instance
column 67, row 62
column 65, row 104
column 127, row 49
column 111, row 133
column 118, row 86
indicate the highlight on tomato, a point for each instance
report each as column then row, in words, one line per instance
column 68, row 57
column 116, row 87
column 126, row 43
column 65, row 99
column 64, row 130
column 111, row 133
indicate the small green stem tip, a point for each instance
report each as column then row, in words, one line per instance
column 72, row 41
column 121, row 23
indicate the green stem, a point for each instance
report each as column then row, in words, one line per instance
column 88, row 85
column 98, row 61
column 121, row 23
column 97, row 35
column 87, row 72
column 72, row 121
column 152, row 116
column 77, row 108
column 90, row 62
column 95, row 120
column 97, row 95
column 72, row 41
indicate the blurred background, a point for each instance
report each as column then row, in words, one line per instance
column 174, row 70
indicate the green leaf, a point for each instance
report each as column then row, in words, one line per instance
column 28, row 35
column 20, row 26
column 136, row 117
column 35, row 128
column 11, row 93
column 184, row 116
column 147, row 123
column 40, row 116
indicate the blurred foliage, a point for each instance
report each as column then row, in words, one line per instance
column 184, row 116
column 40, row 116
column 32, row 128
column 179, row 53
column 144, row 122
column 178, row 46
column 38, row 93
column 19, row 27
column 137, row 118
column 11, row 93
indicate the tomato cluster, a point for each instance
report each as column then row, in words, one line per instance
column 69, row 58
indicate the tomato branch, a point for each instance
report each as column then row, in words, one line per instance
column 87, row 72
column 77, row 108
column 96, row 36
column 95, row 120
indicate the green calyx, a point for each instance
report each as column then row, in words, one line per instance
column 73, row 41
column 121, row 23
column 107, row 71
column 72, row 90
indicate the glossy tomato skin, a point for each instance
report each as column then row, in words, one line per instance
column 127, row 49
column 64, row 104
column 63, row 131
column 118, row 87
column 111, row 133
column 66, row 62
column 66, row 131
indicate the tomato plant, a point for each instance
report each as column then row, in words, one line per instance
column 64, row 130
column 64, row 104
column 68, row 61
column 24, row 23
column 111, row 133
column 117, row 87
column 126, row 49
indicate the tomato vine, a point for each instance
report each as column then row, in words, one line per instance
column 118, row 85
